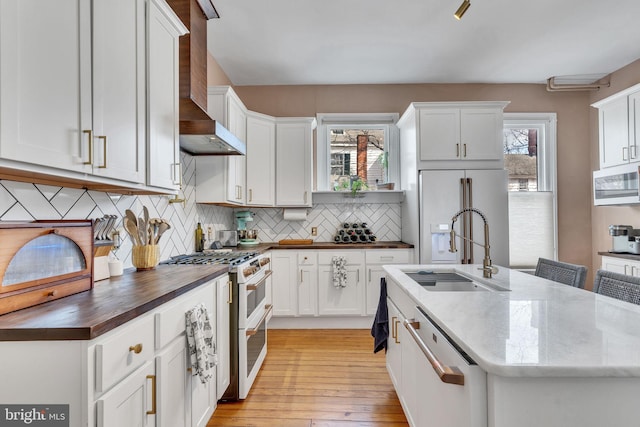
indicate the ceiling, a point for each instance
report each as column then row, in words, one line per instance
column 292, row 42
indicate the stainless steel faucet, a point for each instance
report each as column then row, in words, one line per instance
column 487, row 268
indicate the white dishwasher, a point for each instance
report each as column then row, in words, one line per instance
column 450, row 388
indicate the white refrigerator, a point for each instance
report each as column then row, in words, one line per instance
column 443, row 193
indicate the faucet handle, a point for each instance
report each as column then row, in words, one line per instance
column 490, row 268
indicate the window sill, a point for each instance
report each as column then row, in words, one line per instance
column 379, row 196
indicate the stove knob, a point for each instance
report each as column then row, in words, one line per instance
column 265, row 261
column 248, row 271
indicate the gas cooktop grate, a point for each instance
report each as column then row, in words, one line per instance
column 232, row 258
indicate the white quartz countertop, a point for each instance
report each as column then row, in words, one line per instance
column 539, row 328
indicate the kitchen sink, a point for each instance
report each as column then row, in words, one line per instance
column 450, row 281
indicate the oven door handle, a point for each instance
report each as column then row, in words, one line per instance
column 254, row 287
column 267, row 311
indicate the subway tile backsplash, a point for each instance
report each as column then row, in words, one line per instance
column 27, row 202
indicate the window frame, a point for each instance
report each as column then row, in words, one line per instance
column 327, row 121
column 546, row 155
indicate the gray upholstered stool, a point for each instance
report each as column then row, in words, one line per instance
column 616, row 285
column 562, row 272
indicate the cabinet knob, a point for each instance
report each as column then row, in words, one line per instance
column 52, row 293
column 136, row 348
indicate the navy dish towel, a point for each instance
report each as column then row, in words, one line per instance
column 380, row 328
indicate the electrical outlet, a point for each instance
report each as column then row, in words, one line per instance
column 314, row 231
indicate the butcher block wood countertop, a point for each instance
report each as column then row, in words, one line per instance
column 111, row 303
column 265, row 246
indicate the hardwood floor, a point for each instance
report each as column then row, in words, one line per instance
column 317, row 378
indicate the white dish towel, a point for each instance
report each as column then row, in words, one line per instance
column 339, row 267
column 202, row 348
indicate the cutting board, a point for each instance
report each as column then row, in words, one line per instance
column 295, row 242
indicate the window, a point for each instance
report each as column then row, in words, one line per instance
column 356, row 147
column 530, row 159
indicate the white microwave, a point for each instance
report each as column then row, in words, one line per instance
column 616, row 185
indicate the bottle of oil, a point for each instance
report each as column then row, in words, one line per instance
column 199, row 238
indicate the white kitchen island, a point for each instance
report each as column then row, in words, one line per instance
column 538, row 353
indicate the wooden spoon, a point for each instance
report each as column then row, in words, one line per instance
column 131, row 216
column 132, row 229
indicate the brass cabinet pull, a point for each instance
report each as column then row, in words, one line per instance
column 137, row 349
column 230, row 300
column 90, row 133
column 393, row 329
column 395, row 325
column 464, row 150
column 153, row 394
column 189, row 370
column 457, row 150
column 305, row 196
column 301, row 278
column 369, row 279
column 104, row 151
column 250, row 195
column 52, row 293
column 447, row 374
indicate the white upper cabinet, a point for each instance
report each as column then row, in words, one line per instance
column 45, row 82
column 221, row 179
column 74, row 101
column 460, row 131
column 261, row 159
column 119, row 89
column 163, row 149
column 236, row 165
column 294, row 158
column 618, row 119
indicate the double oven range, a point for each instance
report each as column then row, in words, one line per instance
column 249, row 313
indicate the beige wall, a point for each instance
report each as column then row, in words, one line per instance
column 602, row 216
column 572, row 108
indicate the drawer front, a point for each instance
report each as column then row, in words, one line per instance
column 354, row 256
column 404, row 303
column 123, row 352
column 388, row 256
column 170, row 320
column 307, row 258
column 42, row 295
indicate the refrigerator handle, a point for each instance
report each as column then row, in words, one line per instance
column 463, row 223
column 470, row 205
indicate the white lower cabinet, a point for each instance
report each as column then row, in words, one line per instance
column 426, row 398
column 163, row 392
column 307, row 283
column 375, row 259
column 223, row 337
column 284, row 292
column 348, row 299
column 173, row 385
column 302, row 281
column 621, row 265
column 130, row 403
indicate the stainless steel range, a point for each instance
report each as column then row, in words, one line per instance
column 249, row 313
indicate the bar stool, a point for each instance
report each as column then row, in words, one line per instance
column 562, row 272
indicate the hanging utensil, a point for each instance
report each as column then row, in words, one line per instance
column 162, row 227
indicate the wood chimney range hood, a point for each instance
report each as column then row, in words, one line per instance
column 199, row 133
